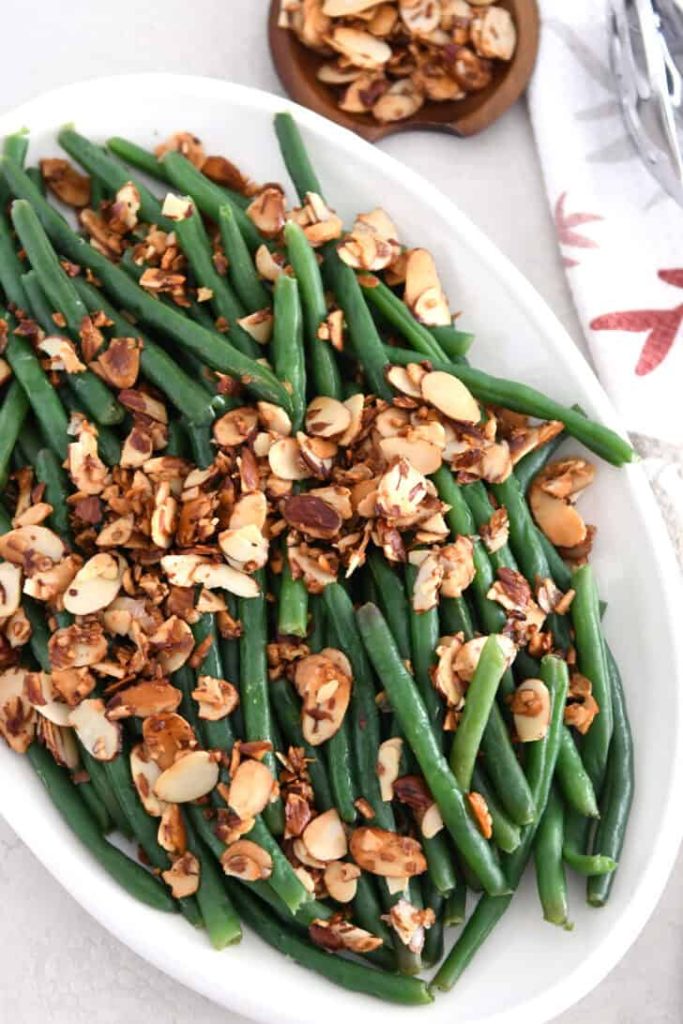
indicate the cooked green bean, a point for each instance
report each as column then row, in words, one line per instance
column 47, row 408
column 216, row 907
column 522, row 398
column 241, row 270
column 294, row 154
column 217, row 735
column 392, row 600
column 288, row 713
column 412, row 715
column 288, row 346
column 573, row 779
column 399, row 316
column 138, row 157
column 550, row 874
column 532, row 463
column 13, row 412
column 481, row 694
column 592, row 663
column 15, row 146
column 424, row 637
column 456, row 344
column 10, row 267
column 49, row 472
column 506, row 834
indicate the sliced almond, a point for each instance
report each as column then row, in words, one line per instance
column 183, row 876
column 312, row 516
column 224, row 577
column 327, row 417
column 172, row 835
column 217, row 698
column 247, row 861
column 145, row 772
column 173, row 643
column 166, row 736
column 286, row 461
column 422, row 455
column 258, row 325
column 410, row 923
column 401, row 490
column 245, row 548
column 346, row 8
column 401, row 100
column 317, row 453
column 42, row 696
column 235, row 427
column 61, row 743
column 10, row 589
column 467, row 657
column 361, row 49
column 341, row 880
column 267, row 211
column 450, row 396
column 325, row 838
column 457, row 560
column 29, row 541
column 389, row 765
column 273, row 417
column 493, row 33
column 301, row 853
column 386, row 853
column 431, row 822
column 17, row 717
column 336, row 933
column 100, row 737
column 250, row 789
column 77, row 646
column 95, row 585
column 141, row 700
column 355, row 404
column 190, row 778
column 427, row 583
column 420, row 17
column 250, row 509
column 531, row 709
column 423, row 292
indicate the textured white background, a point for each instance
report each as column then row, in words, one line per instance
column 57, row 966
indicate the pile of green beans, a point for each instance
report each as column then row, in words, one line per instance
column 558, row 803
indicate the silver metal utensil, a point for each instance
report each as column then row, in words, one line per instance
column 646, row 49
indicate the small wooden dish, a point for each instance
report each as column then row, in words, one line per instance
column 297, row 66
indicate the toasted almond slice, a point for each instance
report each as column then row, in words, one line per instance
column 166, row 736
column 258, row 325
column 325, row 838
column 77, row 646
column 267, row 211
column 467, row 657
column 450, row 396
column 331, row 73
column 61, row 743
column 427, row 583
column 224, row 577
column 317, row 453
column 361, row 49
column 389, row 765
column 95, row 585
column 386, row 853
column 149, row 697
column 173, row 643
column 396, row 885
column 410, row 923
column 247, row 860
column 180, row 569
column 345, row 8
column 481, row 814
column 327, row 417
column 177, row 207
column 273, row 417
column 401, row 100
column 422, row 279
column 244, row 548
column 17, row 717
column 235, row 427
column 301, row 853
column 559, row 521
column 269, row 264
column 17, row 544
column 311, row 515
column 493, row 33
column 171, row 834
column 457, row 560
column 183, row 876
column 400, row 379
column 531, row 710
column 117, row 533
column 250, row 789
column 336, row 933
column 10, row 589
column 422, row 455
column 355, row 404
column 420, row 17
column 189, row 778
column 341, row 880
column 392, row 422
column 100, row 737
column 401, row 490
column 145, row 772
column 42, row 696
column 251, row 509
column 286, row 461
column 217, row 698
column 73, row 684
column 431, row 822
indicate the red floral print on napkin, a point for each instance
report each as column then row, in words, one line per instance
column 564, row 225
column 662, row 324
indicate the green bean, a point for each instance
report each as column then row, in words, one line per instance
column 454, row 909
column 241, row 270
column 102, row 165
column 212, row 348
column 324, row 370
column 365, row 342
column 455, row 616
column 288, row 347
column 338, row 753
column 186, row 394
column 44, row 400
column 541, row 761
column 391, row 597
column 10, row 267
column 522, row 398
column 294, row 154
column 434, row 942
column 98, row 778
column 588, row 864
column 481, row 695
column 550, row 875
column 217, row 735
column 559, row 570
column 254, row 686
column 215, row 905
column 288, row 714
column 177, row 444
column 439, row 863
column 92, row 800
column 399, row 316
column 196, row 246
column 201, row 444
column 12, row 415
column 456, row 344
column 29, row 443
column 138, row 882
column 49, row 472
column 138, row 157
column 592, row 663
column 208, row 196
column 534, row 461
column 424, row 637
column 5, row 521
column 365, row 728
column 15, row 146
column 36, row 177
column 480, row 506
column 354, row 976
column 367, row 913
column 618, row 792
column 411, row 713
column 292, row 606
column 506, row 834
column 282, row 879
column 573, row 779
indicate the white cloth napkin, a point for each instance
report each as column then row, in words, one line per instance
column 620, row 237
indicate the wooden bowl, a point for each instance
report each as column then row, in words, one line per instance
column 296, row 66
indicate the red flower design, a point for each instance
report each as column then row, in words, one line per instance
column 564, row 225
column 662, row 324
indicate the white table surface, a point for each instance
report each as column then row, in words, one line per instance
column 57, row 966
